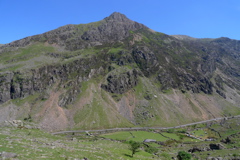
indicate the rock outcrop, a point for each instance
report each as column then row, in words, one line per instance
column 19, row 84
column 120, row 83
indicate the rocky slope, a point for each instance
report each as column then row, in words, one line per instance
column 117, row 73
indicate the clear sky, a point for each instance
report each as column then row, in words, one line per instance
column 195, row 18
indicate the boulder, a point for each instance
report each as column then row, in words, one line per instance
column 216, row 146
column 8, row 155
column 195, row 149
column 149, row 140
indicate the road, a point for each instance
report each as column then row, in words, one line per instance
column 145, row 128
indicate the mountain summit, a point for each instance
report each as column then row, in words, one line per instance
column 117, row 17
column 113, row 28
column 116, row 73
column 116, row 27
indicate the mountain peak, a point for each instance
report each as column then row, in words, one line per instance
column 117, row 16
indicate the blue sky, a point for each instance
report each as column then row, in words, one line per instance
column 196, row 18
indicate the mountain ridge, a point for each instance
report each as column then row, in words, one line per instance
column 116, row 16
column 116, row 21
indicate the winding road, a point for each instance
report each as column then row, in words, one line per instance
column 145, row 128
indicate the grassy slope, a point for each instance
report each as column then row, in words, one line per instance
column 97, row 110
column 171, row 148
column 35, row 144
column 28, row 57
column 226, row 128
column 174, row 107
column 138, row 136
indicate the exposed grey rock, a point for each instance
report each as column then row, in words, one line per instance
column 214, row 158
column 19, row 85
column 15, row 123
column 28, row 127
column 115, row 28
column 120, row 83
column 216, row 146
column 146, row 60
column 149, row 140
column 8, row 155
column 195, row 149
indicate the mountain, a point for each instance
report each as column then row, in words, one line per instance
column 117, row 73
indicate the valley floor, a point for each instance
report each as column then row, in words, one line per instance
column 213, row 139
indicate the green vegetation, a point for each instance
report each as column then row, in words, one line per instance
column 28, row 57
column 12, row 68
column 115, row 50
column 138, row 136
column 28, row 99
column 182, row 155
column 70, row 56
column 151, row 149
column 178, row 143
column 81, row 28
column 37, row 144
column 172, row 135
column 26, row 53
column 134, row 146
column 98, row 112
column 165, row 155
column 165, row 92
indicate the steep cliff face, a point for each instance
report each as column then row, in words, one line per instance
column 117, row 72
column 20, row 85
column 121, row 82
